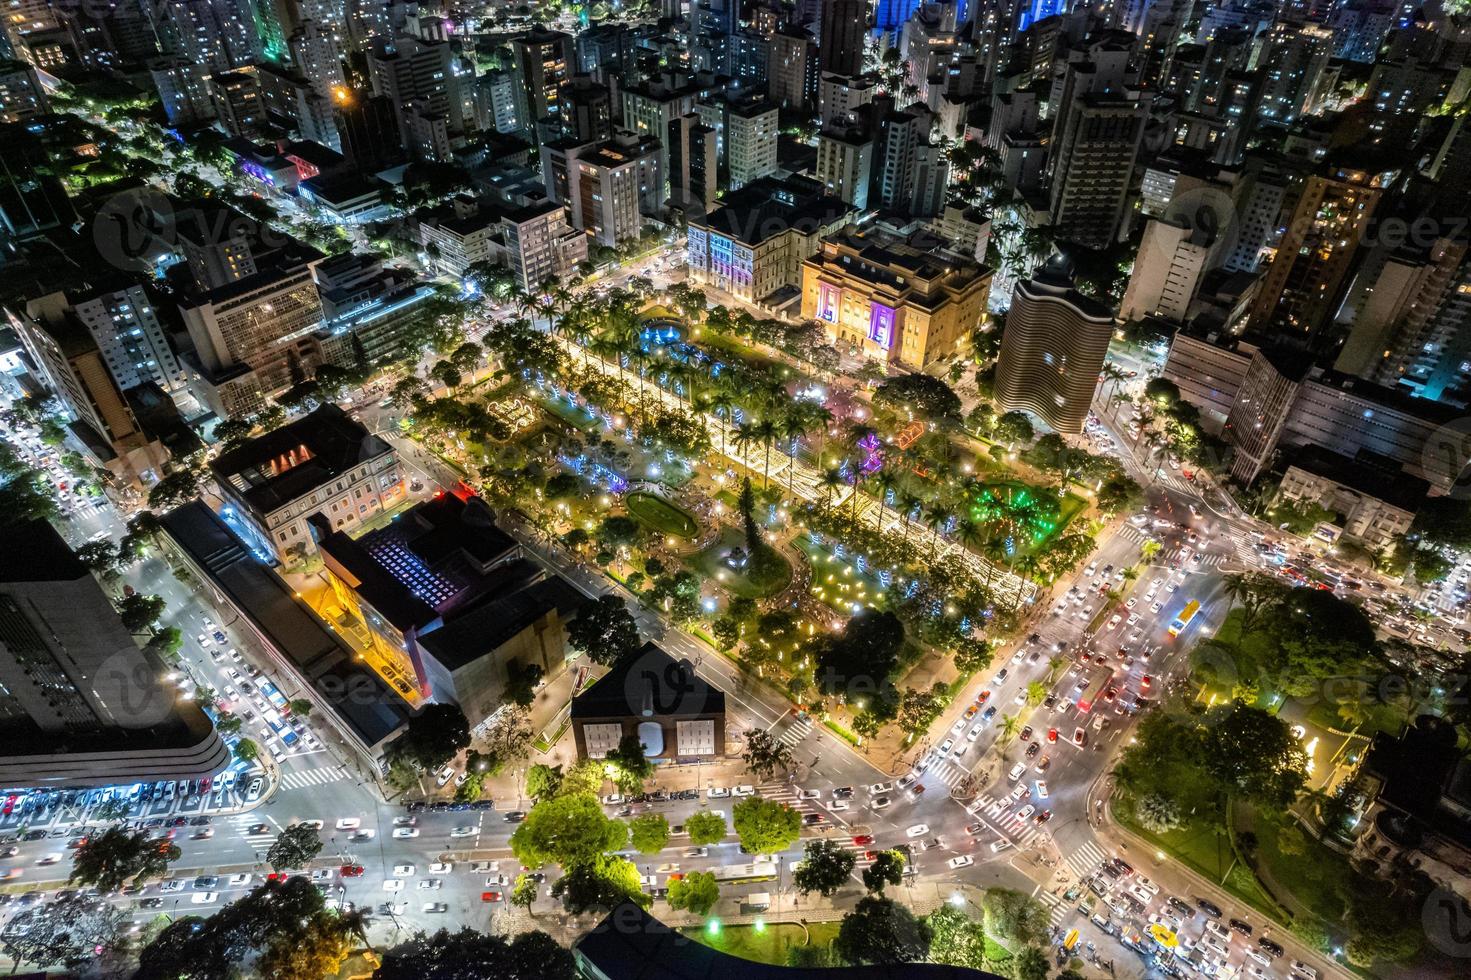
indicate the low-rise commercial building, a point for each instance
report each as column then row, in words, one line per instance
column 754, row 244
column 893, row 302
column 1375, row 499
column 323, row 463
column 676, row 716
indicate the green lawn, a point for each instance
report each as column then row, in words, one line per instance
column 757, row 581
column 836, row 582
column 1206, row 850
column 660, row 514
column 1315, row 878
column 768, row 944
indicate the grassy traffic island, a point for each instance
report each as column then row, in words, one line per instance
column 749, row 575
column 764, row 943
column 659, row 514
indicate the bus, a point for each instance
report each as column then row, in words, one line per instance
column 762, row 870
column 1186, row 615
column 1097, row 684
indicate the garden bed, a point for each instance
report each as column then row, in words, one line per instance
column 765, row 944
column 661, row 515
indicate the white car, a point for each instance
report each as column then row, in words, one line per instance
column 838, row 805
column 434, row 908
column 50, row 859
column 1041, row 789
column 809, row 794
column 444, row 776
column 430, row 885
column 880, row 802
column 975, row 732
column 879, row 788
column 963, row 861
column 959, row 725
column 349, row 823
column 322, row 874
column 405, row 821
column 204, row 898
column 1026, row 812
column 1000, row 845
column 745, row 790
column 393, row 884
column 1020, row 654
column 717, row 792
column 441, row 867
column 918, row 830
column 946, row 746
column 405, row 833
column 235, row 881
column 464, row 832
column 403, row 870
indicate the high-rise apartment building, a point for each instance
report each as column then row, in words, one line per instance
column 1100, row 139
column 751, row 132
column 693, row 164
column 546, row 61
column 792, row 69
column 1052, row 349
column 1301, row 289
column 81, row 705
column 845, row 164
column 607, row 186
column 1173, row 257
column 844, row 29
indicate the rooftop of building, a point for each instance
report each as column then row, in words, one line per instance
column 1056, row 278
column 630, row 944
column 438, row 556
column 897, row 262
column 286, row 464
column 487, row 625
column 770, row 206
column 343, row 188
column 47, row 558
column 1425, row 776
column 1368, row 474
column 650, row 682
column 354, row 692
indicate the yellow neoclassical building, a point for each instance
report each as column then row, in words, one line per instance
column 891, row 300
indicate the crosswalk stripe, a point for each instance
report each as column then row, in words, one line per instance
column 299, row 779
column 1086, row 859
column 1056, row 907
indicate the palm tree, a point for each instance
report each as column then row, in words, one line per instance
column 831, row 479
column 887, row 482
column 1010, row 725
column 747, row 434
column 721, row 404
column 768, row 430
column 935, row 518
column 910, row 503
column 791, row 426
column 1036, row 691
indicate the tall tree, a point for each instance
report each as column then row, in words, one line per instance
column 879, row 930
column 294, row 847
column 604, row 630
column 765, row 826
column 826, row 866
column 765, row 754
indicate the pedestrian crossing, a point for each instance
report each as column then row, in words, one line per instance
column 946, row 772
column 799, row 729
column 1085, row 860
column 1004, row 819
column 1056, row 905
column 321, row 776
column 1131, row 533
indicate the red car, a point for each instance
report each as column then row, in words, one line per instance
column 863, row 840
column 352, row 870
column 490, row 896
column 277, row 876
column 1052, row 734
column 983, row 697
column 1145, row 681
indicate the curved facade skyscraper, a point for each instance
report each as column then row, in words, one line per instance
column 1052, row 348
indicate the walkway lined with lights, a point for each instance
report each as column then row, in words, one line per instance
column 805, row 482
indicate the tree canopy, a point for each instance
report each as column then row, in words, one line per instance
column 919, row 394
column 765, row 826
column 604, row 630
column 433, row 737
column 879, row 930
column 470, row 955
column 826, row 866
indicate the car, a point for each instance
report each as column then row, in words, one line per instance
column 1242, row 927
column 435, row 908
column 959, row 725
column 916, row 791
column 1259, row 956
column 397, row 821
column 970, row 712
column 490, row 896
column 239, row 880
column 50, row 859
column 1131, row 602
column 405, row 833
column 880, row 802
column 467, row 831
column 1272, row 949
column 393, row 884
column 444, row 775
column 1016, row 771
column 1080, row 737
column 204, row 898
column 150, row 903
column 441, row 868
column 877, row 789
column 945, row 748
column 1041, row 789
column 1042, row 764
column 963, row 861
column 975, row 732
column 1052, row 734
column 1001, row 675
column 1181, row 907
column 349, row 823
column 1026, row 733
column 989, row 713
column 206, row 882
column 918, row 830
column 1299, row 968
column 743, row 790
column 809, row 794
column 1208, row 907
column 836, row 805
column 314, row 824
column 1000, row 845
column 811, row 819
column 1042, row 817
column 1026, row 811
column 514, row 816
column 430, row 885
column 863, row 840
column 403, row 870
column 717, row 792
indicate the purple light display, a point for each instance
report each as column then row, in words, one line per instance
column 881, row 325
column 828, row 298
column 873, row 459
